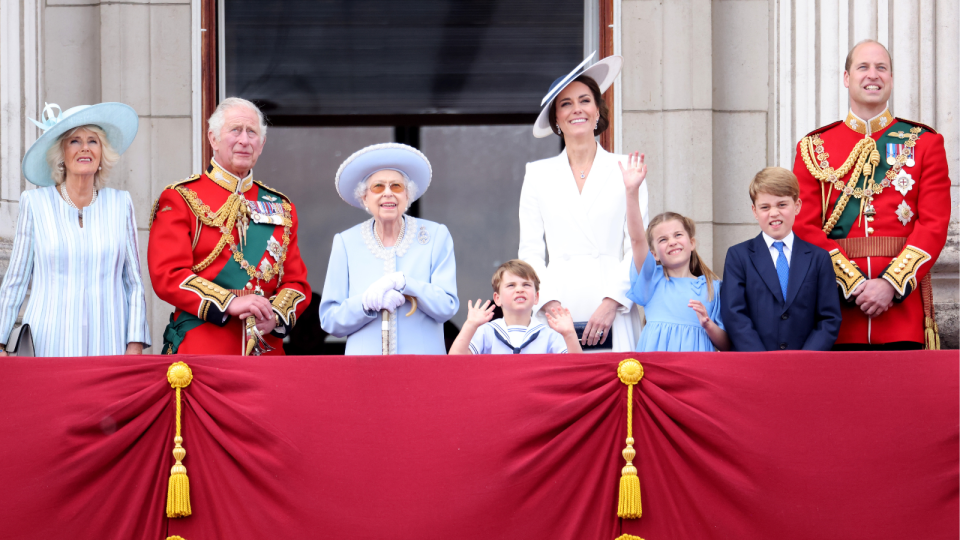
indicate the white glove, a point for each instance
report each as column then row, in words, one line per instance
column 373, row 297
column 392, row 300
column 396, row 280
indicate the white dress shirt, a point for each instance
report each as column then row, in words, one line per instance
column 787, row 247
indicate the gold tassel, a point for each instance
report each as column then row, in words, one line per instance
column 621, row 537
column 931, row 335
column 179, row 376
column 630, row 372
column 176, row 538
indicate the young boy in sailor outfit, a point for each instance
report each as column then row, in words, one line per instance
column 516, row 289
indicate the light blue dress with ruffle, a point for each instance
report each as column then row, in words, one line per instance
column 672, row 326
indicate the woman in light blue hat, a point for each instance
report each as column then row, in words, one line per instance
column 392, row 280
column 573, row 207
column 76, row 240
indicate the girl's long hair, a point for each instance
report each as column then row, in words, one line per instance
column 697, row 266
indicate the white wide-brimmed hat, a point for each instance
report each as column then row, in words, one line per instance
column 378, row 157
column 603, row 72
column 118, row 120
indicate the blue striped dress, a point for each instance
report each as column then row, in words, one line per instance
column 87, row 296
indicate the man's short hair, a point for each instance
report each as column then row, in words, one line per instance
column 847, row 65
column 517, row 268
column 775, row 181
column 216, row 119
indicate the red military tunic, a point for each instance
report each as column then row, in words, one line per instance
column 892, row 228
column 199, row 264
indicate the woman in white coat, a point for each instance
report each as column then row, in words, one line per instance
column 572, row 206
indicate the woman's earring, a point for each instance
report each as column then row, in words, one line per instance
column 596, row 124
column 558, row 128
column 99, row 168
column 60, row 165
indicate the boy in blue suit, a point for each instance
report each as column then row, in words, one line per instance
column 779, row 292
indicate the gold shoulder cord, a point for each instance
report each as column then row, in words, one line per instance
column 866, row 148
column 857, row 160
column 223, row 219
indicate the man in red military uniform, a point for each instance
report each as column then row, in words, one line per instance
column 878, row 199
column 223, row 248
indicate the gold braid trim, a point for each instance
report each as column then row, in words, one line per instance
column 849, row 277
column 223, row 219
column 285, row 304
column 903, row 269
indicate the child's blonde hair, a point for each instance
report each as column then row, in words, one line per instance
column 517, row 268
column 697, row 266
column 775, row 181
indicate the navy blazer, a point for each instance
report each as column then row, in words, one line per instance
column 755, row 314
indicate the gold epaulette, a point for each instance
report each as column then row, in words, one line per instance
column 156, row 203
column 849, row 276
column 270, row 189
column 902, row 272
column 285, row 304
column 918, row 124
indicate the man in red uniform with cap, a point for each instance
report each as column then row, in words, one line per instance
column 881, row 206
column 223, row 248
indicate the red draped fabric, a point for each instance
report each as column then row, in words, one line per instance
column 747, row 446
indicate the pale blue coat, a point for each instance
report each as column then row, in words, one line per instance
column 424, row 255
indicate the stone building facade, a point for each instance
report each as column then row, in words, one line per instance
column 712, row 91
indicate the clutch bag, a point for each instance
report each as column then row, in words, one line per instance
column 608, row 345
column 23, row 345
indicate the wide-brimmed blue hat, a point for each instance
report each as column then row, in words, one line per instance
column 378, row 157
column 604, row 72
column 119, row 121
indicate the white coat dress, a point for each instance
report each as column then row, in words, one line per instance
column 586, row 237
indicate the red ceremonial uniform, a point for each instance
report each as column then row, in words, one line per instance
column 200, row 261
column 892, row 227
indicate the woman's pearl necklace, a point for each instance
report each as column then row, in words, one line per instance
column 66, row 197
column 403, row 227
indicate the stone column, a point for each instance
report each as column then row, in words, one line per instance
column 667, row 105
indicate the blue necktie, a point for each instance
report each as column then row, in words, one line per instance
column 783, row 269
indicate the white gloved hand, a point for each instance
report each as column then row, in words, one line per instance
column 397, row 280
column 373, row 297
column 392, row 300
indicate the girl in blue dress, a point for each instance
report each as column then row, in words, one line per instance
column 679, row 293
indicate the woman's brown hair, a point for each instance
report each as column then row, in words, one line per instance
column 602, row 124
column 697, row 266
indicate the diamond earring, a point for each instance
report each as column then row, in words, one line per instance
column 558, row 128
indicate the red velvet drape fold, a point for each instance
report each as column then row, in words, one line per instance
column 757, row 446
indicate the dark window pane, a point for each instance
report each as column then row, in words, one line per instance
column 399, row 57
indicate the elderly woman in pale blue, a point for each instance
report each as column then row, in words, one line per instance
column 393, row 276
column 76, row 240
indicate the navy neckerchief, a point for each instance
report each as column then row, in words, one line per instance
column 516, row 350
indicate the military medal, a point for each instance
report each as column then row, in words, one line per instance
column 910, row 161
column 892, row 153
column 904, row 213
column 903, row 182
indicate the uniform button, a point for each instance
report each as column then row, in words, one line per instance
column 869, row 230
column 249, row 286
column 908, row 256
column 783, row 346
column 896, row 270
column 784, row 317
